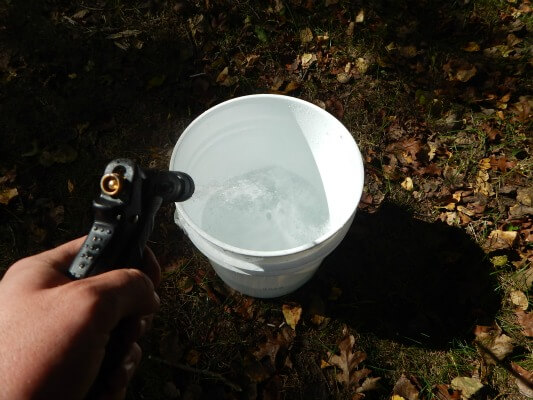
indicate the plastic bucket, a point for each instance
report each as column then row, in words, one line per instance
column 277, row 181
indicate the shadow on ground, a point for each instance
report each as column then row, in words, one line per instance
column 407, row 280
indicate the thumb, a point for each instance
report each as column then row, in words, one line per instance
column 120, row 293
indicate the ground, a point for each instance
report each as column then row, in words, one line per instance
column 429, row 294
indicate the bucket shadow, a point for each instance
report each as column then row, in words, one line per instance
column 407, row 280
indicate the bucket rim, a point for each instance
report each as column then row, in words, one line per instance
column 331, row 231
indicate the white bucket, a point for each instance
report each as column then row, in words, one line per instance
column 277, row 181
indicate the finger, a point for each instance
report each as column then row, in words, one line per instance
column 119, row 294
column 61, row 257
column 45, row 269
column 151, row 266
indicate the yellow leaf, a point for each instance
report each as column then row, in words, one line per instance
column 484, row 164
column 471, row 47
column 292, row 314
column 291, row 87
column 407, row 184
column 397, row 397
column 308, row 59
column 6, row 195
column 324, row 364
column 360, row 17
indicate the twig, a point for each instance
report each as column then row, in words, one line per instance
column 204, row 372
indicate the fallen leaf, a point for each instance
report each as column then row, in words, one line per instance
column 80, row 14
column 292, row 314
column 347, row 361
column 192, row 357
column 6, row 195
column 492, row 343
column 362, row 65
column 70, row 186
column 273, row 344
column 467, row 386
column 397, row 397
column 308, row 59
column 471, row 47
column 306, row 35
column 408, row 51
column 525, row 196
column 124, row 34
column 225, row 79
column 57, row 154
column 519, row 299
column 350, row 30
column 343, row 77
column 443, row 393
column 407, row 184
column 501, row 240
column 464, row 75
column 484, row 164
column 360, row 16
column 525, row 320
column 483, row 185
column 405, row 389
column 525, row 382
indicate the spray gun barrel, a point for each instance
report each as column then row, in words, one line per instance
column 124, row 215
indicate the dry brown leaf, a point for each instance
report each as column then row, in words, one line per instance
column 405, row 389
column 525, row 196
column 6, row 195
column 525, row 382
column 501, row 240
column 525, row 320
column 483, row 185
column 408, row 51
column 464, row 75
column 347, row 361
column 493, row 344
column 443, row 393
column 519, row 299
column 292, row 314
column 471, row 47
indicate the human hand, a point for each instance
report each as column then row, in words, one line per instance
column 58, row 335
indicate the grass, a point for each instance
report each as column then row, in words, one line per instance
column 136, row 102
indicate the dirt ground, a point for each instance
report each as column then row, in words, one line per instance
column 428, row 296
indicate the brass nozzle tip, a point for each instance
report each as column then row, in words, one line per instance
column 111, row 184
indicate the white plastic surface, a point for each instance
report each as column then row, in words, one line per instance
column 277, row 182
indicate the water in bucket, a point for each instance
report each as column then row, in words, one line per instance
column 266, row 209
